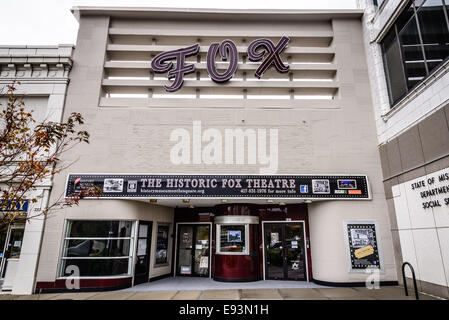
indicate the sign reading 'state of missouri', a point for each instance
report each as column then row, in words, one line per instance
column 433, row 189
column 222, row 186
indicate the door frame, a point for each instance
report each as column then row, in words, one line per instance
column 175, row 266
column 305, row 244
column 136, row 247
column 8, row 236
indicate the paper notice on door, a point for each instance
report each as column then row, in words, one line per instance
column 186, row 237
column 142, row 247
column 143, row 230
column 186, row 270
column 295, row 265
column 294, row 244
column 204, row 262
column 199, row 247
column 274, row 238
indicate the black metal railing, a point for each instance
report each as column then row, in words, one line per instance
column 413, row 277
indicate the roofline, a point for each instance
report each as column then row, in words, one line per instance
column 37, row 46
column 222, row 14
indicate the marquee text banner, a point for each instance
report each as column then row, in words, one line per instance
column 222, row 186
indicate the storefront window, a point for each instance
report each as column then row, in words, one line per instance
column 232, row 239
column 415, row 46
column 102, row 229
column 98, row 248
column 161, row 257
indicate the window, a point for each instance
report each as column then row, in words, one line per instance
column 98, row 248
column 15, row 241
column 232, row 239
column 415, row 46
column 161, row 253
column 434, row 32
column 378, row 3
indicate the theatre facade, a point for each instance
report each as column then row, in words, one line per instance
column 238, row 145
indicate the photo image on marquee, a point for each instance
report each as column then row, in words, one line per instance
column 347, row 184
column 113, row 185
column 321, row 186
column 132, row 186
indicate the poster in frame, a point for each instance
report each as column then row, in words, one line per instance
column 363, row 246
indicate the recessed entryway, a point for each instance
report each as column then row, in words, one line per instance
column 285, row 250
column 193, row 249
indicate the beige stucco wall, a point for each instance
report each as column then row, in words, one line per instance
column 336, row 136
column 327, row 239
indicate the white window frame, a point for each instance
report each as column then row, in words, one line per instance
column 130, row 257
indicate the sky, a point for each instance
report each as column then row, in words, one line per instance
column 50, row 22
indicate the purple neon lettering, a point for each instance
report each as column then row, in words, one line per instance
column 227, row 48
column 272, row 57
column 160, row 64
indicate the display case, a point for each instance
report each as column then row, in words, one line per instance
column 236, row 253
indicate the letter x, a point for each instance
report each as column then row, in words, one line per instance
column 272, row 57
column 161, row 65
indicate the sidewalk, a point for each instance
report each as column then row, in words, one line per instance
column 384, row 293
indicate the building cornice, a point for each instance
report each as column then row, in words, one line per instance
column 35, row 63
column 221, row 14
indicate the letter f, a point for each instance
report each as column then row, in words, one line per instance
column 161, row 65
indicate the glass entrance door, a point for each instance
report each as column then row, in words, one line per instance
column 12, row 248
column 285, row 251
column 193, row 250
column 295, row 264
column 142, row 269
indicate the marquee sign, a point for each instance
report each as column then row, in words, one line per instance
column 259, row 49
column 125, row 186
